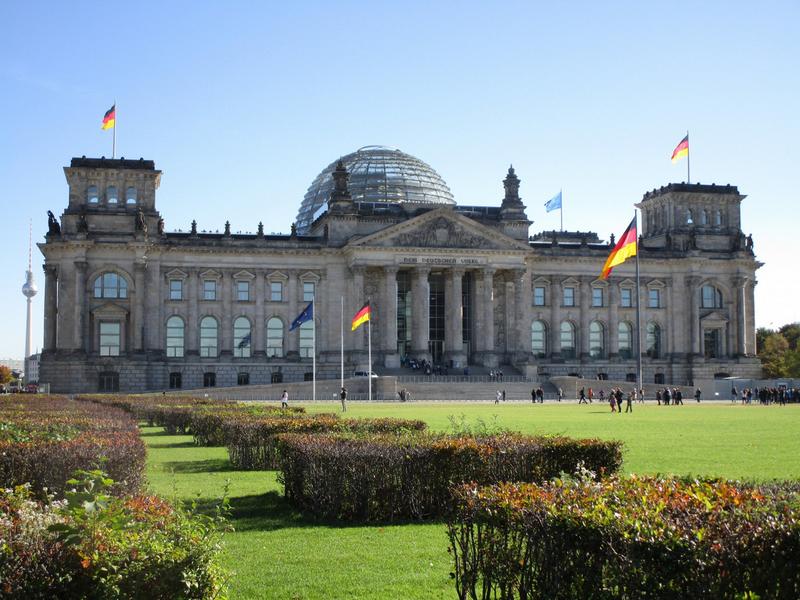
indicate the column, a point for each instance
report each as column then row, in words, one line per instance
column 740, row 294
column 554, row 343
column 292, row 338
column 358, row 337
column 694, row 314
column 677, row 313
column 390, row 313
column 488, row 310
column 613, row 320
column 66, row 317
column 259, row 324
column 420, row 312
column 523, row 300
column 749, row 317
column 194, row 289
column 585, row 300
column 152, row 301
column 139, row 272
column 226, row 319
column 454, row 330
column 50, row 307
column 80, row 306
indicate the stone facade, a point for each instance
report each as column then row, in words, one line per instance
column 132, row 307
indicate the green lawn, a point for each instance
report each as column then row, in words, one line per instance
column 277, row 553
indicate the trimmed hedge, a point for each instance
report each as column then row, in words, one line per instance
column 252, row 443
column 386, row 477
column 95, row 547
column 626, row 538
column 44, row 439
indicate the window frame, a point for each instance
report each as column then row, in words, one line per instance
column 243, row 291
column 539, row 349
column 539, row 295
column 171, row 349
column 273, row 292
column 274, row 351
column 210, row 295
column 205, row 348
column 570, row 296
column 240, row 334
column 105, row 348
column 623, row 302
column 654, row 294
column 598, row 297
column 175, row 289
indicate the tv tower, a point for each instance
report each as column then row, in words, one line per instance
column 29, row 290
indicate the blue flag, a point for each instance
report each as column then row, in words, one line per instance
column 306, row 315
column 245, row 342
column 554, row 203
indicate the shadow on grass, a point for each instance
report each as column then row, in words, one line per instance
column 211, row 465
column 159, row 433
column 272, row 512
column 173, row 445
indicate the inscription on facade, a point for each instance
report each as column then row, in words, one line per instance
column 440, row 260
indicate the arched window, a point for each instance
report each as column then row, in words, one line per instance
column 689, row 217
column 597, row 340
column 274, row 337
column 710, row 297
column 653, row 340
column 625, row 339
column 175, row 337
column 110, row 285
column 130, row 195
column 306, row 339
column 718, row 218
column 704, row 218
column 112, row 197
column 567, row 339
column 539, row 338
column 209, row 330
column 241, row 338
column 91, row 195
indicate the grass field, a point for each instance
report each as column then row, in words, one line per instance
column 277, row 553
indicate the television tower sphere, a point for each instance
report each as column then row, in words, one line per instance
column 29, row 289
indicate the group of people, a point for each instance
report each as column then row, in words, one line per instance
column 673, row 396
column 766, row 395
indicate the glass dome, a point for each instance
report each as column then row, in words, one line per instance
column 377, row 174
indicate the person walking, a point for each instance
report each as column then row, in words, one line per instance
column 697, row 395
column 285, row 399
column 629, row 401
column 560, row 394
column 678, row 396
column 497, row 397
column 619, row 396
column 612, row 400
column 734, row 394
column 343, row 396
column 533, row 395
column 504, row 395
column 582, row 397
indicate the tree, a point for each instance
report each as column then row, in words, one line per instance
column 5, row 374
column 773, row 355
column 792, row 334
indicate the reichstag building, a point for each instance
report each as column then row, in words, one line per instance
column 131, row 306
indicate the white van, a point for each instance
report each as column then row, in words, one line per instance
column 364, row 374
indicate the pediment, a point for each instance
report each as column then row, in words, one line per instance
column 600, row 283
column 244, row 275
column 714, row 317
column 110, row 310
column 541, row 281
column 441, row 228
column 277, row 276
column 656, row 284
column 570, row 281
column 210, row 274
column 176, row 274
column 627, row 283
column 309, row 276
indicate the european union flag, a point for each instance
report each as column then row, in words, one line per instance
column 306, row 315
column 554, row 203
column 245, row 341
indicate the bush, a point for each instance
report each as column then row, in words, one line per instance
column 654, row 538
column 93, row 546
column 385, row 477
column 252, row 443
column 207, row 424
column 44, row 439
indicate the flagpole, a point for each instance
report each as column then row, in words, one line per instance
column 561, row 209
column 638, row 313
column 313, row 351
column 369, row 353
column 688, row 154
column 114, row 137
column 341, row 345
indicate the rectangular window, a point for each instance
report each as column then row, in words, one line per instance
column 569, row 296
column 597, row 296
column 538, row 296
column 276, row 291
column 654, row 299
column 308, row 291
column 109, row 339
column 209, row 289
column 243, row 291
column 176, row 289
column 626, row 298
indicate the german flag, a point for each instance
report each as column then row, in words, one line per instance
column 362, row 316
column 681, row 149
column 110, row 118
column 625, row 248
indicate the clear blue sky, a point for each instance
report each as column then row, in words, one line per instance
column 242, row 104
